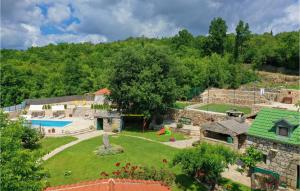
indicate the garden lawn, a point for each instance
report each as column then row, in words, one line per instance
column 48, row 144
column 222, row 108
column 181, row 104
column 84, row 164
column 150, row 134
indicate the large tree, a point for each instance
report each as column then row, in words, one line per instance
column 206, row 162
column 20, row 168
column 242, row 35
column 184, row 37
column 142, row 81
column 217, row 36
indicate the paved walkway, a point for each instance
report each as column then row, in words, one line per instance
column 80, row 137
column 182, row 143
column 232, row 174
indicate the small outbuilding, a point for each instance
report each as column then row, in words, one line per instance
column 231, row 132
column 107, row 121
column 100, row 96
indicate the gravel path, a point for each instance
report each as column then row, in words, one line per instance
column 80, row 137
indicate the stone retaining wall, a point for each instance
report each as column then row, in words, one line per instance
column 197, row 117
column 281, row 158
column 247, row 98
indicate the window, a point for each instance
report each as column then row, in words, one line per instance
column 283, row 131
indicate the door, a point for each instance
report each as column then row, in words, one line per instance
column 99, row 123
column 298, row 176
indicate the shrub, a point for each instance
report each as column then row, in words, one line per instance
column 179, row 125
column 112, row 150
column 251, row 157
column 205, row 162
column 143, row 173
column 65, row 106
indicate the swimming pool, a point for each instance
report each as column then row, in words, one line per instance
column 49, row 123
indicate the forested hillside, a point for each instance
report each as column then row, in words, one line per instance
column 216, row 60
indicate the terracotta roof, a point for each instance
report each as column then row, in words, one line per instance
column 113, row 185
column 103, row 91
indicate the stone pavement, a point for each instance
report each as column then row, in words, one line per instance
column 80, row 137
column 182, row 143
column 232, row 174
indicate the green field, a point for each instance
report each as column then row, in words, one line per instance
column 84, row 164
column 222, row 108
column 48, row 144
column 181, row 104
column 153, row 135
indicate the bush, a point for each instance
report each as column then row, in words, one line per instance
column 179, row 125
column 30, row 138
column 129, row 171
column 65, row 106
column 114, row 149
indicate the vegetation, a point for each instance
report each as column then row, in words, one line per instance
column 205, row 162
column 222, row 108
column 201, row 62
column 251, row 157
column 20, row 167
column 136, row 151
column 150, row 134
column 142, row 81
column 48, row 144
column 181, row 104
column 136, row 172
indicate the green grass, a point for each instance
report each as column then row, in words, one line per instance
column 181, row 104
column 222, row 108
column 84, row 164
column 48, row 144
column 150, row 134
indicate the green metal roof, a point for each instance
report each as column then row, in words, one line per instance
column 263, row 125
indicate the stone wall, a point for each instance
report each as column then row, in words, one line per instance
column 109, row 124
column 247, row 98
column 197, row 117
column 281, row 158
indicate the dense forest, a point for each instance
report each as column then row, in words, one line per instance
column 219, row 59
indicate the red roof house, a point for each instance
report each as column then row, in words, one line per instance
column 113, row 185
column 103, row 91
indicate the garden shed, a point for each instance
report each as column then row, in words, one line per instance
column 231, row 132
column 107, row 121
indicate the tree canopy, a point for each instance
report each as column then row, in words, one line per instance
column 142, row 80
column 206, row 162
column 199, row 62
column 20, row 167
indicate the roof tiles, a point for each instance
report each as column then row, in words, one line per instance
column 113, row 185
column 263, row 125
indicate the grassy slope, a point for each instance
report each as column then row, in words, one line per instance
column 48, row 144
column 222, row 108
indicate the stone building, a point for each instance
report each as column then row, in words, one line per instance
column 107, row 121
column 276, row 133
column 231, row 132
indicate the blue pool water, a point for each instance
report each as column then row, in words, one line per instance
column 49, row 123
